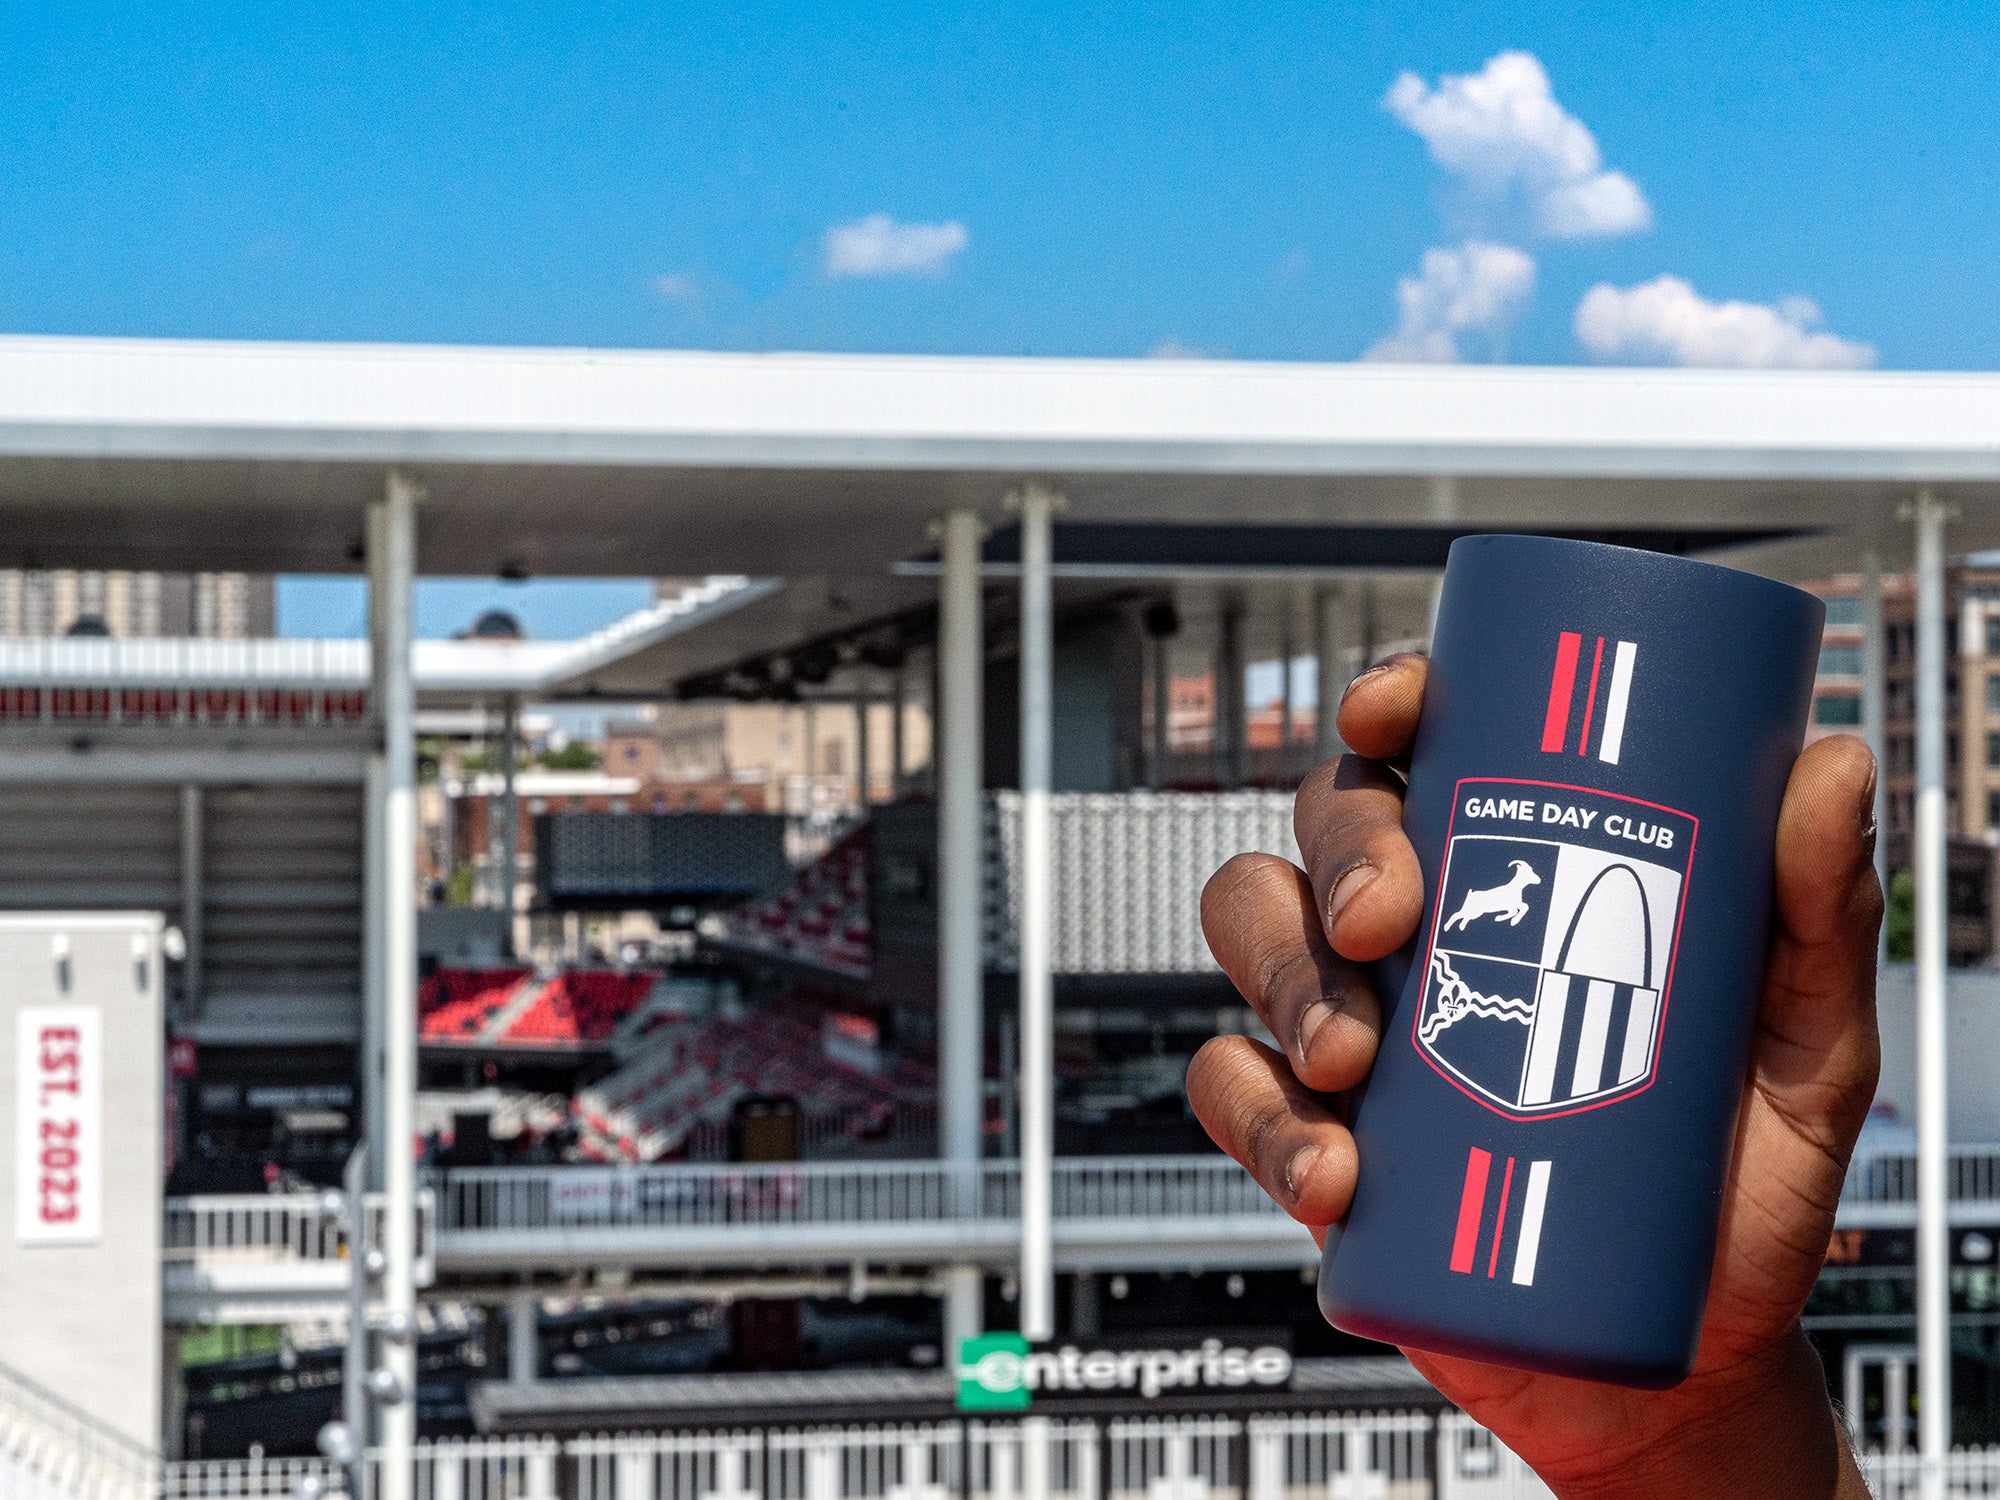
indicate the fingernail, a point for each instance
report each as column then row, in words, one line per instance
column 1295, row 1170
column 1352, row 879
column 1311, row 1019
column 1374, row 671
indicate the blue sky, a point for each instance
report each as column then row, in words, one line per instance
column 1009, row 179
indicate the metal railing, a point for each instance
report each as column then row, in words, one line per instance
column 51, row 1450
column 512, row 1199
column 1394, row 1455
column 253, row 1238
column 1881, row 1187
column 250, row 1479
column 280, row 1241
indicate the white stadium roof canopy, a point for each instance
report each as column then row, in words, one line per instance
column 163, row 454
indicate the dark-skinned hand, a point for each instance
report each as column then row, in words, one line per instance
column 1754, row 1418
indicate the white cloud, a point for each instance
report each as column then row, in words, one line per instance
column 1666, row 321
column 1173, row 348
column 879, row 246
column 1475, row 289
column 1501, row 131
column 681, row 286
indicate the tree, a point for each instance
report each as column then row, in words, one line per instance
column 575, row 756
column 1901, row 917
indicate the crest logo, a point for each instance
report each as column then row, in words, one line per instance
column 1552, row 945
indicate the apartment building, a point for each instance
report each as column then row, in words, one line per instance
column 1972, row 729
column 224, row 606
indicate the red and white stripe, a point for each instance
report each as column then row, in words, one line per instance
column 1473, row 1217
column 1562, row 709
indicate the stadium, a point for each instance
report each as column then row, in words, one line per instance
column 868, row 1173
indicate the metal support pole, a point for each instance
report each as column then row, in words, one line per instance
column 523, row 1351
column 1229, row 691
column 1163, row 656
column 1287, row 707
column 1329, row 686
column 960, row 726
column 1873, row 700
column 1038, row 1291
column 373, row 798
column 192, row 843
column 898, row 708
column 393, row 573
column 812, row 760
column 1933, row 1239
column 510, row 820
column 863, row 703
column 354, row 1362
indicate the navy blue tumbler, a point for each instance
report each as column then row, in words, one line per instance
column 1593, row 797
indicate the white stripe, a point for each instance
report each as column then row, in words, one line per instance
column 1546, row 1042
column 1613, row 737
column 1638, row 1034
column 1590, row 1045
column 1531, row 1224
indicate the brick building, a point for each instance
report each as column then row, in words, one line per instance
column 1972, row 729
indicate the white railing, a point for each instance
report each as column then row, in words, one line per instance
column 472, row 1200
column 1404, row 1455
column 250, row 1479
column 508, row 1468
column 257, row 1241
column 1969, row 1472
column 50, row 1450
column 1891, row 1176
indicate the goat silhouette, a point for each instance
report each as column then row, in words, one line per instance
column 1502, row 902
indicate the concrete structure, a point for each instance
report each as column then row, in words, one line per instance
column 121, row 453
column 80, row 1067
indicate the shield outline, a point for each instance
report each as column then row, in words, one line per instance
column 1422, row 972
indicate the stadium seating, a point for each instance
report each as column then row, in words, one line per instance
column 457, row 1004
column 675, row 1097
column 821, row 918
column 578, row 1006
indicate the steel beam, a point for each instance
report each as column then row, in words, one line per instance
column 392, row 581
column 1933, row 1233
column 1037, row 1077
column 960, row 728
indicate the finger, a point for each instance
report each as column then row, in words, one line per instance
column 1284, row 1135
column 1263, row 927
column 1816, row 1050
column 1378, row 712
column 1367, row 887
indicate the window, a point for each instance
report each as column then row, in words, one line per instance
column 1993, row 809
column 1993, row 693
column 1993, row 635
column 1843, row 610
column 1841, row 711
column 1993, row 750
column 1840, row 661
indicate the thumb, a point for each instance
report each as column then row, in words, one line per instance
column 1816, row 1052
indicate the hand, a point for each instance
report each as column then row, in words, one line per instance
column 1754, row 1417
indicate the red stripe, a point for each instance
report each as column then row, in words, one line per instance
column 1590, row 699
column 1470, row 1202
column 1500, row 1219
column 1555, row 728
